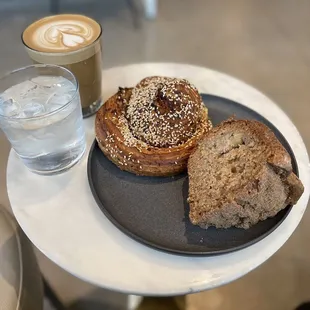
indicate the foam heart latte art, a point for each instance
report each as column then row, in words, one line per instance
column 61, row 33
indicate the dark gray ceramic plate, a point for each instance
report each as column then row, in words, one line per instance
column 154, row 211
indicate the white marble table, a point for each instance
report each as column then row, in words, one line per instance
column 61, row 218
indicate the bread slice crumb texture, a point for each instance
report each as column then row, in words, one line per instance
column 239, row 175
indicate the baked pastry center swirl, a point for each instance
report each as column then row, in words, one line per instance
column 164, row 111
column 152, row 129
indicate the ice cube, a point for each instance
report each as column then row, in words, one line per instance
column 64, row 83
column 58, row 100
column 32, row 109
column 20, row 90
column 8, row 106
column 50, row 81
column 44, row 81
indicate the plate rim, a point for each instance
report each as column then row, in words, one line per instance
column 168, row 250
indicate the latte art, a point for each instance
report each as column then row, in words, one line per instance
column 64, row 35
column 61, row 33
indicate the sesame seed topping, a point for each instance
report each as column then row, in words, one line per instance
column 164, row 111
column 169, row 114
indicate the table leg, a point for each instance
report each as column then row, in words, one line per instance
column 150, row 9
column 134, row 302
column 163, row 303
column 51, row 296
column 135, row 13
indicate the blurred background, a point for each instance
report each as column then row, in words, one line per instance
column 263, row 42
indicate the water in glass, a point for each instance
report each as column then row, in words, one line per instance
column 45, row 131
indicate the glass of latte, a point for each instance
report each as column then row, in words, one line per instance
column 72, row 41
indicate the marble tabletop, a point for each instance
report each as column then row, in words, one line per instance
column 61, row 218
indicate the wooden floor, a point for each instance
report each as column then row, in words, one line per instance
column 263, row 42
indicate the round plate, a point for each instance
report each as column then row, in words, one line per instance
column 154, row 210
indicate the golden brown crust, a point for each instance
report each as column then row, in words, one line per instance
column 133, row 155
column 260, row 132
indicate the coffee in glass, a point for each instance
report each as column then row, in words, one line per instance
column 71, row 41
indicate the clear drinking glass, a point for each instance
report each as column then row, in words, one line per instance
column 41, row 115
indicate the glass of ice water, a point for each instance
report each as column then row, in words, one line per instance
column 41, row 115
